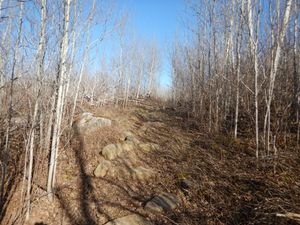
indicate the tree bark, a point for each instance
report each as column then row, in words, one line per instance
column 253, row 44
column 40, row 70
column 275, row 64
column 59, row 101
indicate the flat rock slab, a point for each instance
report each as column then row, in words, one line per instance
column 111, row 151
column 129, row 137
column 141, row 173
column 164, row 202
column 123, row 169
column 126, row 146
column 87, row 122
column 120, row 172
column 129, row 172
column 148, row 147
column 102, row 168
column 132, row 219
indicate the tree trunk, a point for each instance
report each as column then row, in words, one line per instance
column 296, row 76
column 59, row 101
column 253, row 44
column 40, row 70
column 10, row 101
column 238, row 67
column 275, row 64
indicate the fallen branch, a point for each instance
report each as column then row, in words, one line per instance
column 289, row 215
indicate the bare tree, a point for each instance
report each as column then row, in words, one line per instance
column 85, row 55
column 254, row 45
column 275, row 64
column 296, row 69
column 39, row 74
column 239, row 40
column 11, row 93
column 152, row 69
column 59, row 99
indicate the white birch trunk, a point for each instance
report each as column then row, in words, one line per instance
column 59, row 101
column 73, row 48
column 40, row 70
column 275, row 64
column 238, row 68
column 1, row 72
column 253, row 45
column 140, row 78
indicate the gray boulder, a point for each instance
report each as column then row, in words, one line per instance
column 111, row 151
column 126, row 146
column 102, row 168
column 129, row 137
column 141, row 173
column 164, row 202
column 185, row 184
column 87, row 122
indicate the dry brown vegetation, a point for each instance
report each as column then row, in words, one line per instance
column 227, row 122
column 229, row 185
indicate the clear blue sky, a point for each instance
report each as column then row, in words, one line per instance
column 159, row 20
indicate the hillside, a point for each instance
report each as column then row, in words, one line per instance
column 213, row 179
column 149, row 112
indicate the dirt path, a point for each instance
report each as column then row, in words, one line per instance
column 222, row 186
column 83, row 198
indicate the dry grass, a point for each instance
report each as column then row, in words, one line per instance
column 229, row 185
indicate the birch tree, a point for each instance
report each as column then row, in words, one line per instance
column 140, row 75
column 10, row 95
column 153, row 65
column 39, row 74
column 59, row 100
column 275, row 64
column 1, row 72
column 239, row 40
column 254, row 44
column 296, row 69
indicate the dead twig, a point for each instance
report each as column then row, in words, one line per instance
column 289, row 215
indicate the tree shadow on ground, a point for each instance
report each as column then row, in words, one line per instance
column 12, row 176
column 91, row 207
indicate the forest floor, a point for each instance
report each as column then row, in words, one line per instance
column 227, row 184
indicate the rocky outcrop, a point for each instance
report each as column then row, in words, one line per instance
column 111, row 151
column 87, row 122
column 140, row 173
column 164, row 202
column 102, row 168
column 126, row 146
column 129, row 137
column 122, row 170
column 120, row 160
column 148, row 147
